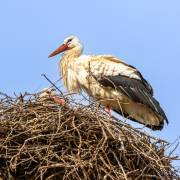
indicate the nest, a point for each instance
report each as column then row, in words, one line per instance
column 40, row 139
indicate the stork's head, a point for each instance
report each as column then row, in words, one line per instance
column 71, row 43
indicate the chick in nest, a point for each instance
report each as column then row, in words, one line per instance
column 50, row 93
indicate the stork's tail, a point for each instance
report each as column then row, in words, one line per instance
column 144, row 115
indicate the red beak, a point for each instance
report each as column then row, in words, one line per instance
column 60, row 49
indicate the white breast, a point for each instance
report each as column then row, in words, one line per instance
column 84, row 69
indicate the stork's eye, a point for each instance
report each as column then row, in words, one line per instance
column 69, row 40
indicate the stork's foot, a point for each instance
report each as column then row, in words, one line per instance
column 58, row 100
column 108, row 110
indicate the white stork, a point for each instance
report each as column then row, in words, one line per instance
column 112, row 82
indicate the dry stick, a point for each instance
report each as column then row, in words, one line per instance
column 144, row 160
column 52, row 84
column 89, row 72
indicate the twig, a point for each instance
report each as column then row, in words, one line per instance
column 52, row 83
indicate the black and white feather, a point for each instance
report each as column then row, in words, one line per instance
column 135, row 89
column 129, row 81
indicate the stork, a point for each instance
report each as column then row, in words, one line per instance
column 109, row 80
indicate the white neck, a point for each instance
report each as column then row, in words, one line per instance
column 67, row 60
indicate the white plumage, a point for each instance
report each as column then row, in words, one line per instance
column 111, row 81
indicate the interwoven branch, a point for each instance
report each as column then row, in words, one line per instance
column 39, row 139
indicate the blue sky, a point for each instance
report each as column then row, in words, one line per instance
column 146, row 34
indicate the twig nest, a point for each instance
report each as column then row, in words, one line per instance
column 39, row 139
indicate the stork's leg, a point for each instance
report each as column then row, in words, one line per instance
column 58, row 100
column 108, row 110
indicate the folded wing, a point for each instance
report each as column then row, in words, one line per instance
column 127, row 79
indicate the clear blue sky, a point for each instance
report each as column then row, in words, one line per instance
column 145, row 34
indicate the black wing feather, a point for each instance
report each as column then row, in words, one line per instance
column 139, row 91
column 144, row 81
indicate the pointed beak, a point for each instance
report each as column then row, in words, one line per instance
column 60, row 49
